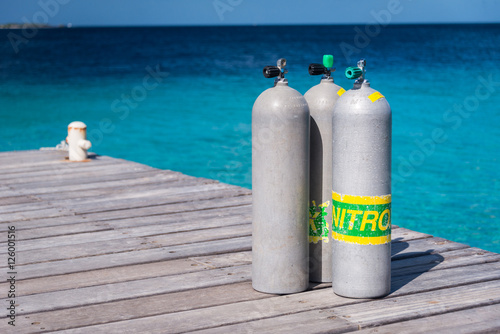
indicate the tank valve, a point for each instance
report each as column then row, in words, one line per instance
column 326, row 68
column 77, row 141
column 357, row 72
column 278, row 71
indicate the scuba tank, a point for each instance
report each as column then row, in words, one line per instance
column 361, row 196
column 280, row 187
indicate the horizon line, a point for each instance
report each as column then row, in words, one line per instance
column 70, row 25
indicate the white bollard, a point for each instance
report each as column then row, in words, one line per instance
column 77, row 141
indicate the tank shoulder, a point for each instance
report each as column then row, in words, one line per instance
column 325, row 88
column 275, row 97
column 362, row 101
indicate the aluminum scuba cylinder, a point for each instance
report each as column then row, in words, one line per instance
column 361, row 196
column 321, row 100
column 280, row 186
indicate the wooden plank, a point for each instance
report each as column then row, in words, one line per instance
column 63, row 174
column 410, row 248
column 118, row 191
column 205, row 200
column 48, row 212
column 449, row 277
column 47, row 162
column 18, row 200
column 129, row 193
column 376, row 313
column 66, row 170
column 8, row 154
column 177, row 222
column 131, row 180
column 60, row 211
column 476, row 320
column 206, row 208
column 443, row 260
column 130, row 273
column 308, row 322
column 380, row 312
column 137, row 189
column 170, row 196
column 437, row 261
column 111, row 242
column 26, row 233
column 30, row 153
column 7, row 192
column 166, row 196
column 80, row 184
column 403, row 234
column 135, row 257
column 12, row 208
column 41, row 222
column 145, row 287
column 133, row 308
column 403, row 249
column 28, row 156
column 57, row 165
column 27, row 164
column 68, row 177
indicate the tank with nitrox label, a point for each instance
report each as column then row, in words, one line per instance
column 321, row 99
column 361, row 196
column 280, row 187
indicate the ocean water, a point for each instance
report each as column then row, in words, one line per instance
column 180, row 98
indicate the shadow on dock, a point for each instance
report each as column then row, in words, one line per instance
column 407, row 266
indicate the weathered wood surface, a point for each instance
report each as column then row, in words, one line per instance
column 113, row 246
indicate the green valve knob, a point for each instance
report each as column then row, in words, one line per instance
column 353, row 72
column 328, row 61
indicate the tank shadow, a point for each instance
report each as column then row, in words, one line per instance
column 398, row 246
column 406, row 267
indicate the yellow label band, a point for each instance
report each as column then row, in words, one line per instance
column 341, row 91
column 363, row 200
column 362, row 220
column 375, row 96
column 362, row 240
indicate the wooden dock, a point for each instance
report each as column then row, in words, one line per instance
column 113, row 246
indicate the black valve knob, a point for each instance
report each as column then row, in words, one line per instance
column 317, row 69
column 271, row 71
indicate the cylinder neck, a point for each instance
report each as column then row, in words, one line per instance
column 281, row 82
column 361, row 65
column 360, row 85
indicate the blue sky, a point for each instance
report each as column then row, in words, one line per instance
column 231, row 12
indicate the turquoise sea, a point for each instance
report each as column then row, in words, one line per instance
column 180, row 98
